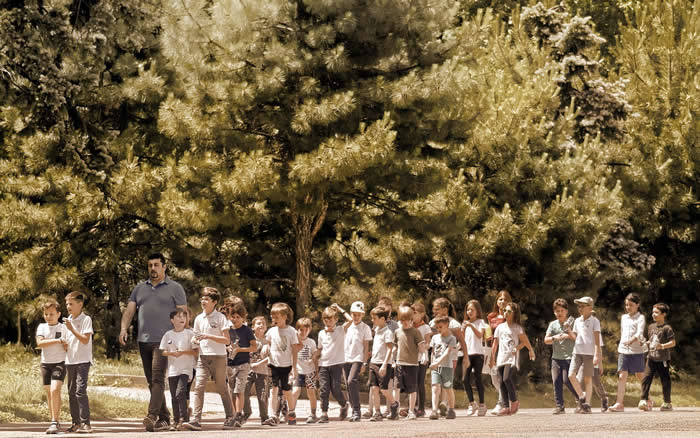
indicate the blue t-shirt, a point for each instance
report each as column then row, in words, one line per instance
column 241, row 336
column 154, row 304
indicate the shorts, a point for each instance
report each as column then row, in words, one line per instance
column 308, row 381
column 381, row 381
column 633, row 363
column 280, row 377
column 443, row 376
column 407, row 377
column 53, row 371
column 581, row 360
column 237, row 377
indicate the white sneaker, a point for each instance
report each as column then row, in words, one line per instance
column 496, row 409
column 472, row 409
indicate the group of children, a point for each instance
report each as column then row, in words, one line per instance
column 277, row 363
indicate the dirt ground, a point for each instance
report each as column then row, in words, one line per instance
column 682, row 422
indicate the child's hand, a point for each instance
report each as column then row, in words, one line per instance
column 382, row 370
column 532, row 355
column 68, row 324
column 433, row 366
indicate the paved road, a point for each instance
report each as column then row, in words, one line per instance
column 683, row 422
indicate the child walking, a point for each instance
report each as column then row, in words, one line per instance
column 212, row 334
column 562, row 350
column 661, row 340
column 409, row 344
column 420, row 322
column 474, row 329
column 507, row 337
column 78, row 339
column 177, row 345
column 495, row 318
column 50, row 338
column 259, row 375
column 631, row 348
column 442, row 372
column 380, row 370
column 284, row 346
column 331, row 343
column 307, row 375
column 357, row 338
column 587, row 353
column 242, row 344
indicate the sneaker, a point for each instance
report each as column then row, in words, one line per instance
column 604, row 405
column 228, row 423
column 269, row 422
column 376, row 417
column 514, row 407
column 149, row 423
column 54, row 428
column 559, row 410
column 503, row 412
column 177, row 426
column 73, row 428
column 442, row 407
column 173, row 428
column 292, row 418
column 585, row 408
column 403, row 412
column 434, row 415
column 343, row 412
column 643, row 406
column 451, row 415
column 579, row 406
column 367, row 415
column 312, row 419
column 85, row 428
column 472, row 409
column 666, row 407
column 394, row 411
column 354, row 418
column 192, row 425
column 496, row 409
column 323, row 418
column 410, row 416
column 162, row 425
column 482, row 410
column 419, row 413
column 617, row 407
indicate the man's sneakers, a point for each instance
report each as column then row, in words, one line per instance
column 394, row 411
column 666, row 407
column 74, row 428
column 617, row 407
column 54, row 428
column 343, row 412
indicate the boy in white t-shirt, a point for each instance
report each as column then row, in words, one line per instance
column 181, row 352
column 587, row 353
column 49, row 337
column 331, row 343
column 381, row 372
column 356, row 347
column 284, row 346
column 211, row 333
column 78, row 339
column 307, row 376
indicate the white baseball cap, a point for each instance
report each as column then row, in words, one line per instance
column 358, row 307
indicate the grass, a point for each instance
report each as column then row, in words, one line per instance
column 23, row 398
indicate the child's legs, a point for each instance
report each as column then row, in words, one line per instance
column 450, row 397
column 558, row 381
column 384, row 383
column 250, row 381
column 81, row 382
column 49, row 401
column 477, row 365
column 56, row 399
column 588, row 380
column 262, row 391
column 374, row 398
column 408, row 381
column 576, row 364
column 172, row 384
column 201, row 378
column 412, row 400
column 178, row 391
column 72, row 374
column 336, row 376
column 218, row 371
column 509, row 383
column 468, row 381
column 496, row 381
column 621, row 382
column 324, row 377
column 352, row 374
column 598, row 384
column 310, row 382
column 421, row 387
column 665, row 375
column 436, row 396
column 565, row 377
column 237, row 387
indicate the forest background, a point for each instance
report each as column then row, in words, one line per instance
column 311, row 151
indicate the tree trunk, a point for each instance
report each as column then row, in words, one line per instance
column 19, row 327
column 306, row 226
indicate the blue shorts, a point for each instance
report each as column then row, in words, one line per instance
column 442, row 376
column 632, row 363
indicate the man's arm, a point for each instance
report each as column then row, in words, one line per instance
column 127, row 316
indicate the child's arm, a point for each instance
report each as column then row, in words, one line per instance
column 348, row 317
column 441, row 359
column 598, row 353
column 295, row 350
column 526, row 342
column 42, row 342
column 667, row 345
column 224, row 338
column 83, row 338
column 422, row 347
column 494, row 352
column 367, row 355
column 387, row 358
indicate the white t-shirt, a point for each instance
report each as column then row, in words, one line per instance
column 440, row 344
column 77, row 351
column 304, row 363
column 475, row 345
column 424, row 329
column 354, row 341
column 508, row 341
column 332, row 347
column 53, row 353
column 281, row 342
column 173, row 341
column 382, row 337
column 213, row 324
column 454, row 324
column 585, row 340
column 632, row 327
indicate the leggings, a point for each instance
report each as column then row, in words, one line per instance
column 476, row 364
column 421, row 387
column 507, row 384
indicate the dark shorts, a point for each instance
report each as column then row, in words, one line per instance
column 280, row 377
column 308, row 381
column 407, row 377
column 633, row 363
column 381, row 381
column 53, row 371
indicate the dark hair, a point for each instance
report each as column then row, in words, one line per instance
column 633, row 297
column 236, row 308
column 663, row 308
column 157, row 255
column 76, row 296
column 506, row 295
column 211, row 292
column 442, row 320
column 516, row 312
column 560, row 302
column 179, row 311
column 477, row 306
column 379, row 312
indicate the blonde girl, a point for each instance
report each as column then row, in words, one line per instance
column 474, row 329
column 495, row 318
column 631, row 348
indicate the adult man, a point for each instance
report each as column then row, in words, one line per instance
column 154, row 299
